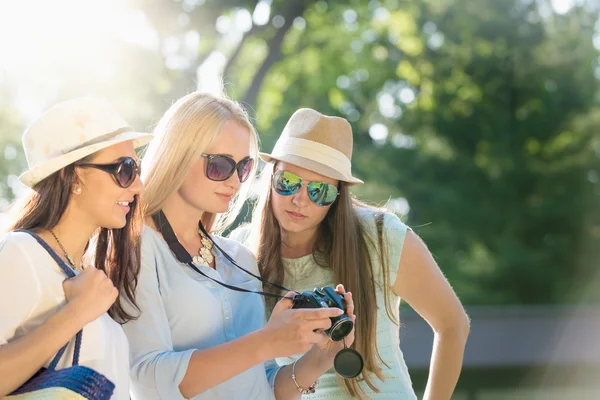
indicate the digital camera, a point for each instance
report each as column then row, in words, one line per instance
column 327, row 297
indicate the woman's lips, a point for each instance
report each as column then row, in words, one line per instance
column 295, row 216
column 225, row 197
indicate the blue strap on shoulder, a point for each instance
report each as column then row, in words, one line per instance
column 70, row 273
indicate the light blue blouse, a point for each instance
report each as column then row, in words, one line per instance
column 182, row 311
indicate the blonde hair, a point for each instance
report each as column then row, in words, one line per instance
column 180, row 137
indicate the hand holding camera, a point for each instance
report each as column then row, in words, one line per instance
column 347, row 362
column 323, row 318
column 328, row 297
column 296, row 331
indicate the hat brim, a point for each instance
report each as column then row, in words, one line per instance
column 42, row 171
column 313, row 166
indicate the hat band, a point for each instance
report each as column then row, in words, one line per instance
column 100, row 139
column 314, row 151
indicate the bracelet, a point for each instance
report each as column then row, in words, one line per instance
column 311, row 389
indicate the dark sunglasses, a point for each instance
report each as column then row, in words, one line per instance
column 125, row 171
column 220, row 167
column 286, row 184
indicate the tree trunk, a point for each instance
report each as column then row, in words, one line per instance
column 292, row 10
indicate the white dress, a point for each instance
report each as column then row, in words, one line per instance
column 31, row 291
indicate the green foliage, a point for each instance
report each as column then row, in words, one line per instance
column 493, row 155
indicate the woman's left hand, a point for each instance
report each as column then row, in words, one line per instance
column 328, row 348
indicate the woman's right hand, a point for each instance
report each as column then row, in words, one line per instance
column 91, row 292
column 292, row 332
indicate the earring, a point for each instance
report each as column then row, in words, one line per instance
column 78, row 190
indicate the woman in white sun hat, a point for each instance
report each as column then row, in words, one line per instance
column 315, row 236
column 84, row 182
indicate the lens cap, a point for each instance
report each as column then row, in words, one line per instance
column 348, row 363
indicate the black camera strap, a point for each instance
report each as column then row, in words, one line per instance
column 166, row 230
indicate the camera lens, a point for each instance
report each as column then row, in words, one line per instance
column 340, row 329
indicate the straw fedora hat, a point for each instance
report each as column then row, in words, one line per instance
column 70, row 131
column 317, row 142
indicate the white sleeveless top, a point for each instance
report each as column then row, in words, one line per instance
column 304, row 274
column 31, row 291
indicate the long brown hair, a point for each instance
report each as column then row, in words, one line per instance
column 344, row 246
column 117, row 251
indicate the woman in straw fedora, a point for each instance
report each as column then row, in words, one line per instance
column 306, row 238
column 196, row 338
column 84, row 182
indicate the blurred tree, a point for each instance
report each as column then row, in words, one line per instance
column 12, row 161
column 481, row 118
column 473, row 113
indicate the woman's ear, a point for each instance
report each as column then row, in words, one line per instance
column 76, row 183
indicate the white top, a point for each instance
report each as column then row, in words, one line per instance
column 304, row 274
column 31, row 291
column 182, row 311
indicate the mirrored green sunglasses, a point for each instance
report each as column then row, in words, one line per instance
column 286, row 184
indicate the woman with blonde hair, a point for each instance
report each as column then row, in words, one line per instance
column 200, row 334
column 83, row 181
column 305, row 238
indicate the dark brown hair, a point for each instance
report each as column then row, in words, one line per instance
column 117, row 251
column 344, row 246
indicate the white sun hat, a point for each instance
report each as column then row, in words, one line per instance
column 317, row 142
column 70, row 131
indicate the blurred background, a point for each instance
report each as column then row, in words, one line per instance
column 475, row 121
